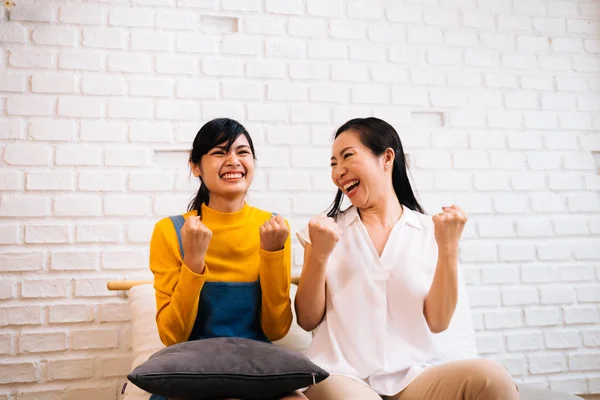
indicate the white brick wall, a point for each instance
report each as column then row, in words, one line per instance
column 497, row 103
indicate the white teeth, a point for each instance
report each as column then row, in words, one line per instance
column 347, row 185
column 232, row 176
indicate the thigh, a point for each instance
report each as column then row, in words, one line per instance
column 457, row 380
column 339, row 387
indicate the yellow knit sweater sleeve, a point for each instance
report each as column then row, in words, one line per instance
column 177, row 288
column 275, row 280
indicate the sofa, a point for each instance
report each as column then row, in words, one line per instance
column 458, row 340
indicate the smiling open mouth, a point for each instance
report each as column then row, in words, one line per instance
column 351, row 187
column 232, row 176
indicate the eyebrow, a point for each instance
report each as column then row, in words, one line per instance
column 224, row 148
column 342, row 151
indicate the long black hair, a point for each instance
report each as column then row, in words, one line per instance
column 377, row 135
column 214, row 133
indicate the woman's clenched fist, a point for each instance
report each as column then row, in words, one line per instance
column 324, row 234
column 195, row 238
column 274, row 233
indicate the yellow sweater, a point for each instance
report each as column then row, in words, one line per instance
column 234, row 255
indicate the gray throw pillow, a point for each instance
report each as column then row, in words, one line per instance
column 220, row 368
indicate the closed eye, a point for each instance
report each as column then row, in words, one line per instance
column 347, row 155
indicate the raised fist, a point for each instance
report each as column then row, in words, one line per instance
column 274, row 233
column 324, row 234
column 448, row 227
column 195, row 237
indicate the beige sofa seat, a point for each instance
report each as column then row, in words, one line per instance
column 460, row 339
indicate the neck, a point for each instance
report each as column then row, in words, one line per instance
column 384, row 213
column 226, row 205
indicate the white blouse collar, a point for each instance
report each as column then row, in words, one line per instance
column 350, row 215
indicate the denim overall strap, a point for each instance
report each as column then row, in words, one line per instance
column 178, row 222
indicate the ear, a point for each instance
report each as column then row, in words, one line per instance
column 195, row 169
column 388, row 158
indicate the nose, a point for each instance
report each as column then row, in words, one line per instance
column 232, row 160
column 339, row 172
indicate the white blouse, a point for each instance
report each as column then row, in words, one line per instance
column 374, row 329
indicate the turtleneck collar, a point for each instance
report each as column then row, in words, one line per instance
column 213, row 216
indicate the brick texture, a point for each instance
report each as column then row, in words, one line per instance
column 496, row 102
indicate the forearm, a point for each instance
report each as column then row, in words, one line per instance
column 177, row 309
column 311, row 296
column 440, row 302
column 195, row 264
column 276, row 308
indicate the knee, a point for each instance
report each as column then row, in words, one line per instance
column 492, row 380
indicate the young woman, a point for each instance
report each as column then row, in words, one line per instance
column 380, row 279
column 208, row 261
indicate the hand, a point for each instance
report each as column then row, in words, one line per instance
column 324, row 233
column 448, row 226
column 195, row 237
column 274, row 233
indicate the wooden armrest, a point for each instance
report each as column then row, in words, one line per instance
column 126, row 285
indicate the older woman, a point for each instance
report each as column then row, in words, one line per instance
column 380, row 280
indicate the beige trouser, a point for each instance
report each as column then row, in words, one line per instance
column 456, row 380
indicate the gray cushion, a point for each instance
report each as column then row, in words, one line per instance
column 219, row 368
column 529, row 392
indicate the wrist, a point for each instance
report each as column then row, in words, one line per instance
column 448, row 251
column 196, row 264
column 319, row 257
column 272, row 249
